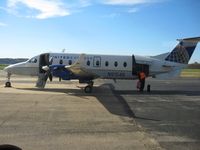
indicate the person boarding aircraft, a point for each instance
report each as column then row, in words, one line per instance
column 87, row 67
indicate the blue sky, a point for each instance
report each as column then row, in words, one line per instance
column 124, row 27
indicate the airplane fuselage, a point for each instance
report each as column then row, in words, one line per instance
column 103, row 66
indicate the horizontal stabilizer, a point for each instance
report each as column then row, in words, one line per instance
column 195, row 39
column 169, row 75
column 161, row 56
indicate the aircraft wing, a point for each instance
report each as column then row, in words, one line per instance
column 78, row 68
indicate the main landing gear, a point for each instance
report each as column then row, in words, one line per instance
column 89, row 87
column 8, row 83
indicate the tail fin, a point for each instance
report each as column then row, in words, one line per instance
column 183, row 51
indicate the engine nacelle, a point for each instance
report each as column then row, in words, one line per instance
column 61, row 72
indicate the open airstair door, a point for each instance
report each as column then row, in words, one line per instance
column 136, row 67
column 44, row 61
column 43, row 74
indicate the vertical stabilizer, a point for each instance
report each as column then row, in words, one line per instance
column 183, row 51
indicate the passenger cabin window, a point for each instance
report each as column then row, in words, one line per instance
column 125, row 64
column 88, row 63
column 116, row 63
column 70, row 62
column 106, row 63
column 97, row 63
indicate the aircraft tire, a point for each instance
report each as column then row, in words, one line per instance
column 148, row 88
column 88, row 89
column 7, row 84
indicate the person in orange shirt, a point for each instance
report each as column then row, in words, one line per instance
column 142, row 77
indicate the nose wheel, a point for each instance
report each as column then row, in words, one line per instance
column 8, row 83
column 89, row 87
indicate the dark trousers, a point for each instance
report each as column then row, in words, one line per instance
column 142, row 84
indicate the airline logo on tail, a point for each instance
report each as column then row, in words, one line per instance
column 183, row 51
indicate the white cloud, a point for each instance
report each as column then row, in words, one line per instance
column 2, row 24
column 112, row 15
column 85, row 3
column 45, row 8
column 127, row 2
column 42, row 9
column 133, row 10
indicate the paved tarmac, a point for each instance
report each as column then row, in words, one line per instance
column 114, row 116
column 170, row 113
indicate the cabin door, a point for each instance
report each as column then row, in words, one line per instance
column 44, row 61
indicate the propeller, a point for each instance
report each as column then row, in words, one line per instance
column 48, row 73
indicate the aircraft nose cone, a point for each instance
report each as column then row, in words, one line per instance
column 5, row 69
column 8, row 69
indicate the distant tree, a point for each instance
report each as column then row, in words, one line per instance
column 11, row 60
column 195, row 65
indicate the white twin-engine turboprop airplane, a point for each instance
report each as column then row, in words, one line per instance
column 87, row 67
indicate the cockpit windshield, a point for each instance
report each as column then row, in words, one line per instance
column 32, row 60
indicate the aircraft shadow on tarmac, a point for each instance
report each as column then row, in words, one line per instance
column 166, row 119
column 159, row 92
column 113, row 100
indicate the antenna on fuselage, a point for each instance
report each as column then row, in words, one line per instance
column 63, row 50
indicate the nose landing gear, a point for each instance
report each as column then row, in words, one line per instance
column 8, row 83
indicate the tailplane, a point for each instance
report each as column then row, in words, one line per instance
column 183, row 51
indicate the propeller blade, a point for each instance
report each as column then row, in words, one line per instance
column 48, row 73
column 50, row 60
column 50, row 77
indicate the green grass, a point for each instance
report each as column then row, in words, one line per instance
column 2, row 66
column 191, row 70
column 191, row 73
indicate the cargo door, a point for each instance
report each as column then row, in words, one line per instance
column 136, row 68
